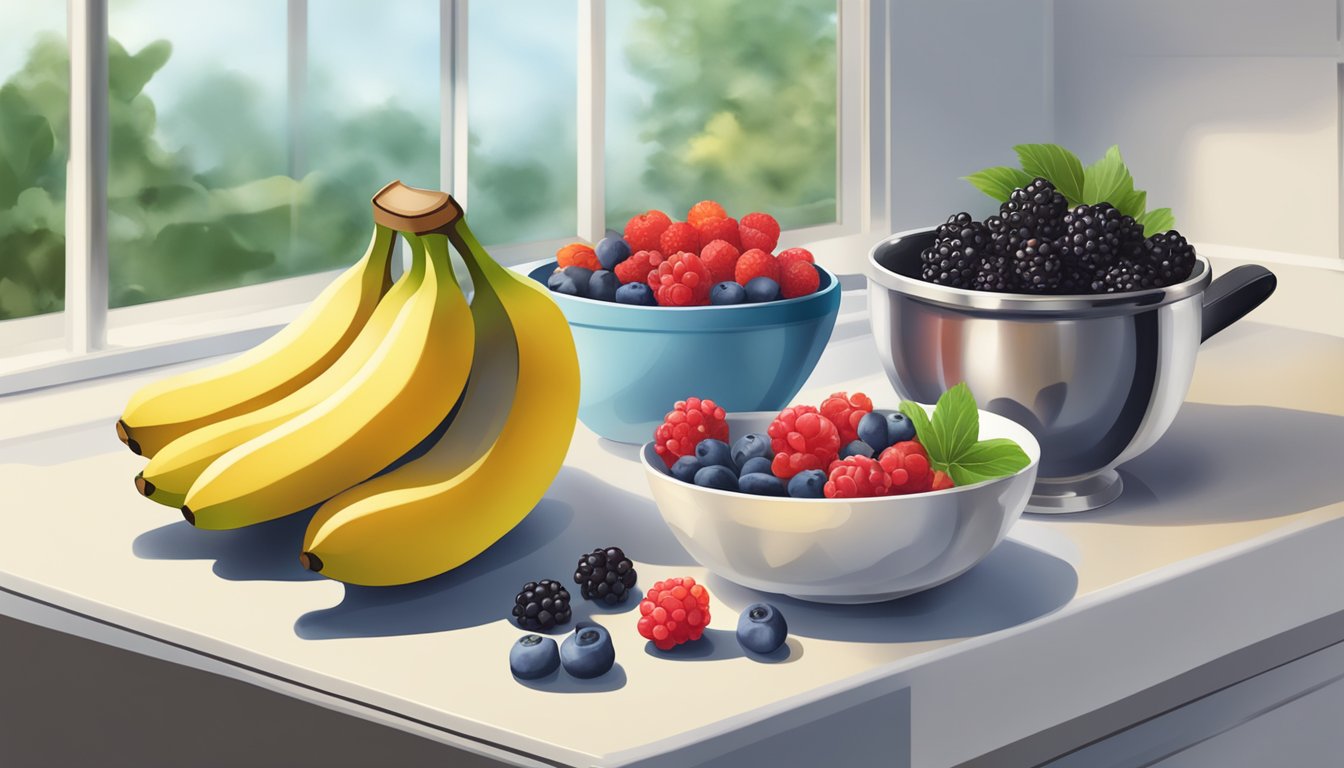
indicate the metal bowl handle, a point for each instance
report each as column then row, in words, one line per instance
column 1230, row 297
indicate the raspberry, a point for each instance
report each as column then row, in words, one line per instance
column 857, row 477
column 845, row 412
column 720, row 229
column 680, row 237
column 636, row 269
column 798, row 278
column 802, row 439
column 690, row 421
column 642, row 231
column 759, row 230
column 941, row 481
column 704, row 211
column 721, row 258
column 674, row 611
column 577, row 255
column 790, row 255
column 908, row 464
column 756, row 263
column 681, row 281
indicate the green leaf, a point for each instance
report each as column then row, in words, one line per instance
column 956, row 423
column 1132, row 203
column 988, row 459
column 1056, row 164
column 1107, row 180
column 1157, row 220
column 1000, row 181
column 923, row 429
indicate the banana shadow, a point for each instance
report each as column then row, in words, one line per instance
column 1014, row 585
column 63, row 445
column 264, row 552
column 545, row 545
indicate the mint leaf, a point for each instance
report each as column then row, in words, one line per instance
column 1056, row 164
column 1000, row 181
column 1157, row 220
column 988, row 459
column 1107, row 180
column 956, row 422
column 923, row 429
column 1132, row 203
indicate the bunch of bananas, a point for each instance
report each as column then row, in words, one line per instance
column 422, row 428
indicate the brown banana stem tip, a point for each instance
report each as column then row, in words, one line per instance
column 142, row 485
column 123, row 435
column 188, row 514
column 310, row 561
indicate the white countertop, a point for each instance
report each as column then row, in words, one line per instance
column 1229, row 532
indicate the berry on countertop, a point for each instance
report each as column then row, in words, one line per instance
column 533, row 656
column 637, row 268
column 761, row 289
column 605, row 576
column 755, row 263
column 716, row 476
column 750, row 446
column 758, row 230
column 721, row 258
column 674, row 611
column 588, row 652
column 680, row 236
column 907, row 464
column 802, row 439
column 712, row 452
column 857, row 477
column 808, row 484
column 724, row 229
column 639, row 294
column 857, row 448
column 704, row 211
column 761, row 484
column 1172, row 257
column 727, row 293
column 941, row 481
column 684, row 468
column 577, row 255
column 602, row 285
column 612, row 250
column 845, row 411
column 798, row 278
column 761, row 628
column 541, row 605
column 690, row 421
column 754, row 465
column 790, row 255
column 682, row 281
column 643, row 230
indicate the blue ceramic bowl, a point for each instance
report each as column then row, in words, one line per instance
column 636, row 362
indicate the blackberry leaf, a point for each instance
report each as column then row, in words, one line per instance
column 1000, row 181
column 1156, row 220
column 1056, row 164
column 1107, row 180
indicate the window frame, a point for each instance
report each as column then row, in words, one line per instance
column 95, row 340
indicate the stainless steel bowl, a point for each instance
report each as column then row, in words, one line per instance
column 1096, row 379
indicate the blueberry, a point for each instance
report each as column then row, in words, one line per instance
column 533, row 656
column 899, row 428
column 588, row 652
column 581, row 276
column 808, row 484
column 873, row 430
column 712, row 452
column 635, row 293
column 762, row 289
column 685, row 468
column 612, row 251
column 761, row 628
column 856, row 448
column 613, row 233
column 756, row 464
column 727, row 292
column 602, row 285
column 716, row 477
column 750, row 447
column 562, row 283
column 761, row 484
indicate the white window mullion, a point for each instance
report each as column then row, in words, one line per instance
column 592, row 89
column 853, row 43
column 453, row 98
column 86, row 180
column 296, row 92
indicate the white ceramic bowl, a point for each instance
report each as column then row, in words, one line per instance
column 843, row 550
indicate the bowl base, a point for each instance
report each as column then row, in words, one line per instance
column 1049, row 498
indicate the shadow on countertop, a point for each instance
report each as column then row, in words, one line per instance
column 264, row 552
column 545, row 545
column 1229, row 463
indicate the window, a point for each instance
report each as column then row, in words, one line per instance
column 243, row 142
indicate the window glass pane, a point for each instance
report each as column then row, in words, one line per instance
column 522, row 107
column 34, row 143
column 733, row 101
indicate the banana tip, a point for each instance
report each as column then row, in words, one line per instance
column 310, row 561
column 188, row 514
column 124, row 435
column 142, row 485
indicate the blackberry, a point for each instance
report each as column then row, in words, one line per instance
column 1171, row 257
column 953, row 226
column 1127, row 275
column 605, row 575
column 995, row 273
column 1036, row 268
column 1094, row 236
column 541, row 605
column 1036, row 210
column 951, row 261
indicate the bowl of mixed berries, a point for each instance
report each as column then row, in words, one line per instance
column 842, row 502
column 709, row 304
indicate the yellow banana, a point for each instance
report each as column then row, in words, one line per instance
column 168, row 476
column 165, row 410
column 441, row 510
column 399, row 396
